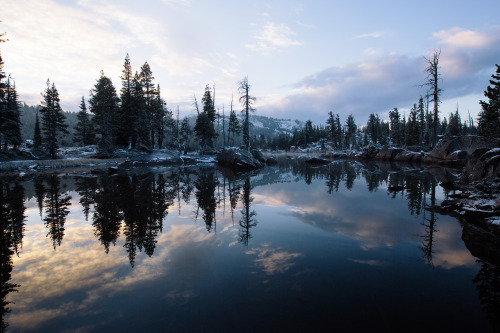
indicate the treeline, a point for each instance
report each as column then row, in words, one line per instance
column 137, row 117
column 421, row 127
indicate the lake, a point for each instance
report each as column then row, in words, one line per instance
column 344, row 247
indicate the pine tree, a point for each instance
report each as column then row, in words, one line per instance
column 104, row 105
column 413, row 135
column 52, row 120
column 127, row 121
column 247, row 101
column 11, row 122
column 489, row 116
column 159, row 115
column 37, row 136
column 422, row 125
column 350, row 132
column 3, row 101
column 83, row 130
column 234, row 125
column 140, row 132
column 395, row 127
column 208, row 104
column 205, row 132
column 433, row 82
column 185, row 135
column 148, row 87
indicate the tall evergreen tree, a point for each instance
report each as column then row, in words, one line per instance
column 489, row 116
column 208, row 104
column 104, row 105
column 3, row 100
column 433, row 82
column 53, row 120
column 83, row 130
column 205, row 131
column 185, row 135
column 350, row 131
column 127, row 121
column 247, row 101
column 148, row 87
column 413, row 135
column 395, row 127
column 422, row 125
column 140, row 132
column 37, row 136
column 234, row 126
column 10, row 127
column 159, row 115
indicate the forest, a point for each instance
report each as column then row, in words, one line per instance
column 136, row 117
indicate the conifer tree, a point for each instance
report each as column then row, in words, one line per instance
column 433, row 82
column 37, row 136
column 350, row 132
column 83, row 130
column 185, row 135
column 234, row 126
column 11, row 122
column 208, row 104
column 127, row 121
column 53, row 120
column 148, row 87
column 205, row 131
column 247, row 102
column 489, row 116
column 140, row 132
column 3, row 100
column 104, row 105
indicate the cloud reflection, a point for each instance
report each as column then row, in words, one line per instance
column 273, row 261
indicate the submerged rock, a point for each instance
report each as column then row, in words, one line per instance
column 271, row 161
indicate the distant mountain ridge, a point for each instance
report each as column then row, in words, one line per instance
column 268, row 126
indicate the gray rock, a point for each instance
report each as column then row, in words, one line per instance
column 238, row 159
column 388, row 153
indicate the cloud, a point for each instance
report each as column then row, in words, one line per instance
column 383, row 81
column 272, row 37
column 459, row 37
column 376, row 34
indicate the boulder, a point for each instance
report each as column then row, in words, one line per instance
column 238, row 159
column 407, row 156
column 257, row 154
column 484, row 163
column 458, row 148
column 388, row 153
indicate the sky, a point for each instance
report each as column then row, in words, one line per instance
column 303, row 59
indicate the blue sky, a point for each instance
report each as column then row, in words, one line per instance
column 302, row 58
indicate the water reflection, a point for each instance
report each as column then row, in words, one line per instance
column 136, row 210
column 11, row 237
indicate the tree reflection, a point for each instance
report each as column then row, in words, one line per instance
column 487, row 282
column 39, row 192
column 429, row 224
column 248, row 219
column 12, row 229
column 205, row 196
column 145, row 199
column 107, row 217
column 86, row 187
column 56, row 210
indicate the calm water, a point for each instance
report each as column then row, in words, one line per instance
column 337, row 248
